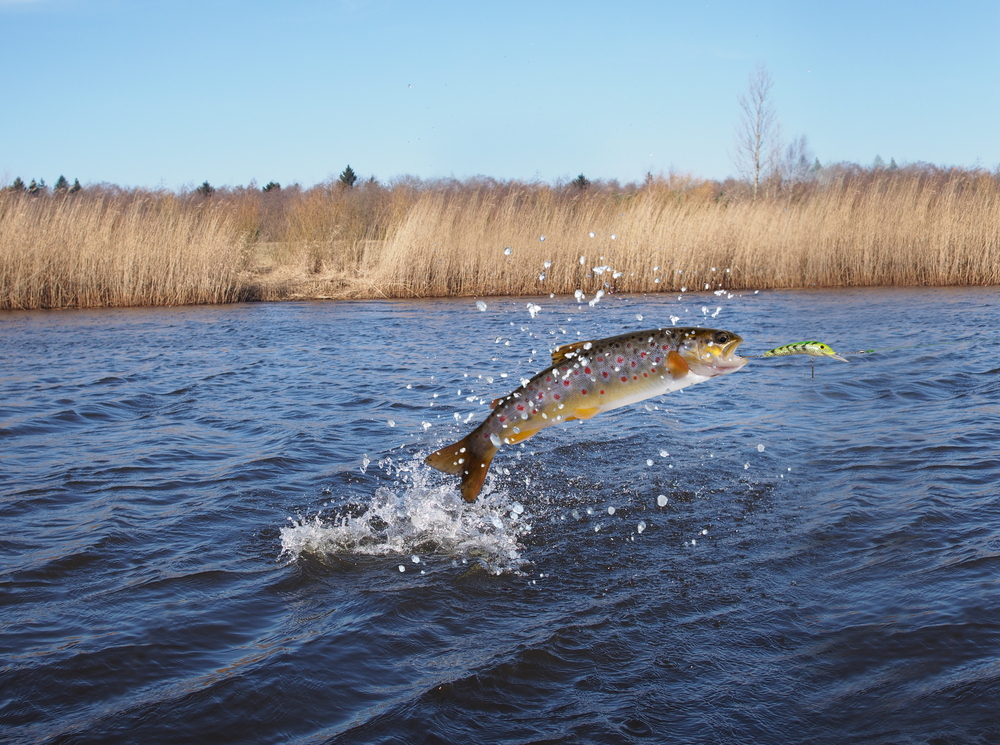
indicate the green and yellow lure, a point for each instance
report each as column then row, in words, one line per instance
column 812, row 348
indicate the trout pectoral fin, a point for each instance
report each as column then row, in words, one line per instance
column 677, row 365
column 585, row 413
column 568, row 351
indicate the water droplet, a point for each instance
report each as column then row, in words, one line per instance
column 661, row 501
column 641, row 526
column 508, row 251
column 684, row 289
column 638, row 316
column 760, row 448
column 518, row 508
column 541, row 238
column 583, row 260
column 402, row 568
column 391, row 423
column 481, row 305
column 664, row 454
column 611, row 510
column 746, row 466
column 547, row 264
column 649, row 461
column 614, row 237
column 592, row 234
column 495, row 440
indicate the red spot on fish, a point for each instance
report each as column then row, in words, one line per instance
column 602, row 393
column 548, row 378
column 652, row 369
column 666, row 346
column 644, row 355
column 624, row 379
column 600, row 359
column 520, row 407
column 534, row 411
column 635, row 377
column 556, row 396
column 621, row 360
column 633, row 363
column 656, row 359
column 604, row 374
column 584, row 391
column 628, row 346
column 503, row 419
column 587, row 370
column 566, row 383
column 541, row 396
column 645, row 375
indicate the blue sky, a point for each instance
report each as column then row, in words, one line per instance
column 173, row 93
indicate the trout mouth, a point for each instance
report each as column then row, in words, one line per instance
column 715, row 355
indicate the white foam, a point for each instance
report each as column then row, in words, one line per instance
column 417, row 516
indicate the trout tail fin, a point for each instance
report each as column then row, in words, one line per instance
column 468, row 458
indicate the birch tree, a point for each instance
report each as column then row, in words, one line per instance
column 757, row 134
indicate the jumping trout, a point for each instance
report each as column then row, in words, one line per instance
column 585, row 379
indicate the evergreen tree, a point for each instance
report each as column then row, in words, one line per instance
column 878, row 162
column 36, row 189
column 348, row 177
column 272, row 186
column 206, row 189
column 892, row 164
column 75, row 187
column 582, row 182
column 62, row 185
column 18, row 185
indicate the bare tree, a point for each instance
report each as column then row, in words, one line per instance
column 758, row 149
column 797, row 162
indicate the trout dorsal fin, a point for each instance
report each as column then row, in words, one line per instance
column 569, row 351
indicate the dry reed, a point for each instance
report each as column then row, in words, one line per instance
column 854, row 227
column 115, row 251
column 882, row 230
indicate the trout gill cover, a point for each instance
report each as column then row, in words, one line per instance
column 585, row 379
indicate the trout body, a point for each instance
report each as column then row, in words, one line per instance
column 586, row 379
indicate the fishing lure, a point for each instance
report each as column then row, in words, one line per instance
column 812, row 348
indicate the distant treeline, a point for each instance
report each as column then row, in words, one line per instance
column 840, row 225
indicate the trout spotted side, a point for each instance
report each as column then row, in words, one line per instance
column 586, row 379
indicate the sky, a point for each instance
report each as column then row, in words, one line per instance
column 172, row 93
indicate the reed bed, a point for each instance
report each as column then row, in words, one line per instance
column 850, row 227
column 116, row 251
column 882, row 230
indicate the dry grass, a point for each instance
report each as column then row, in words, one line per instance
column 920, row 226
column 115, row 251
column 880, row 230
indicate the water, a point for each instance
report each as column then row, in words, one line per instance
column 218, row 528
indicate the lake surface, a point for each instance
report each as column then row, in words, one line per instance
column 218, row 527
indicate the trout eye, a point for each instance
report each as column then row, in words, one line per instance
column 722, row 337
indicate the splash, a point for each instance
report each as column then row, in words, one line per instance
column 415, row 517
